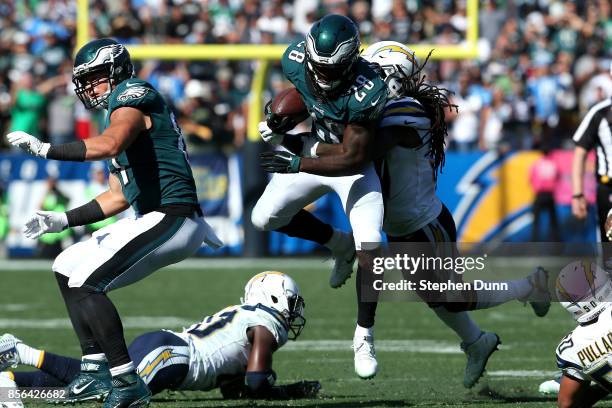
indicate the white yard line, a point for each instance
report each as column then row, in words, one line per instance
column 130, row 322
column 523, row 373
column 258, row 264
column 405, row 346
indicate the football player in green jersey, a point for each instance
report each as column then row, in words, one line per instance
column 150, row 172
column 344, row 98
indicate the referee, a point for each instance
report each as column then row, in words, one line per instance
column 594, row 132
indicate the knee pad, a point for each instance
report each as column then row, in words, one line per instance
column 367, row 240
column 264, row 221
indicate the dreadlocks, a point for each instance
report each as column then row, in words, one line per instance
column 434, row 101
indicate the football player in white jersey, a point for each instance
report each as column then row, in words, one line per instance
column 410, row 145
column 231, row 349
column 585, row 355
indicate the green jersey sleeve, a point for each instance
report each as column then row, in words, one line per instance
column 292, row 61
column 134, row 93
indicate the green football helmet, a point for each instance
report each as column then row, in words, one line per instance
column 332, row 49
column 102, row 60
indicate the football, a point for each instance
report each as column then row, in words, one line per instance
column 289, row 103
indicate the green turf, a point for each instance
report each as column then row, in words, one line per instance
column 418, row 379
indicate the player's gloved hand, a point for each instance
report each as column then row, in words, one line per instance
column 280, row 162
column 28, row 143
column 43, row 222
column 275, row 139
column 278, row 124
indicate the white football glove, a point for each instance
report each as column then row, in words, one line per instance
column 28, row 143
column 268, row 135
column 45, row 221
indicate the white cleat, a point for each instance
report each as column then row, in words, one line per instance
column 8, row 351
column 366, row 365
column 550, row 387
column 344, row 259
column 478, row 354
column 539, row 298
column 7, row 383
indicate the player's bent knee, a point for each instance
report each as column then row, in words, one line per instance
column 367, row 240
column 264, row 221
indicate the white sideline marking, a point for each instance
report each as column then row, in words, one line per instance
column 406, row 346
column 130, row 322
column 255, row 264
column 14, row 307
column 523, row 373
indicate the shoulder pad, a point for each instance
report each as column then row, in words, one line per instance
column 405, row 112
column 132, row 92
column 293, row 60
column 369, row 107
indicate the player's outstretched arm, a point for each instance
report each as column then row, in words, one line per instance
column 105, row 205
column 354, row 154
column 125, row 125
column 349, row 158
column 578, row 394
column 386, row 139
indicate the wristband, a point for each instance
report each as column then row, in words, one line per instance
column 85, row 214
column 580, row 195
column 73, row 151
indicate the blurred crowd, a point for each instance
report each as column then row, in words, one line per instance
column 542, row 63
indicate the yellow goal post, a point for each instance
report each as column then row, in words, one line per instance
column 264, row 54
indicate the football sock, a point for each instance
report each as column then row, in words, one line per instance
column 122, row 369
column 29, row 355
column 517, row 289
column 339, row 240
column 366, row 311
column 95, row 357
column 63, row 368
column 28, row 379
column 106, row 326
column 306, row 226
column 363, row 331
column 79, row 322
column 461, row 323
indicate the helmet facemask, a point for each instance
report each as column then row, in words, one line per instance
column 330, row 77
column 295, row 318
column 86, row 82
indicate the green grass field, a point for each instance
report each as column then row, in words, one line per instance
column 420, row 361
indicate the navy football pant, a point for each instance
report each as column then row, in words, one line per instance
column 161, row 358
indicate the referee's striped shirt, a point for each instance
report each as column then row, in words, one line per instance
column 594, row 132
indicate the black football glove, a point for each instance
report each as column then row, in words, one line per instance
column 278, row 124
column 280, row 162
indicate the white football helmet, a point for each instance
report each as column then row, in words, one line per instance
column 396, row 61
column 584, row 289
column 281, row 293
